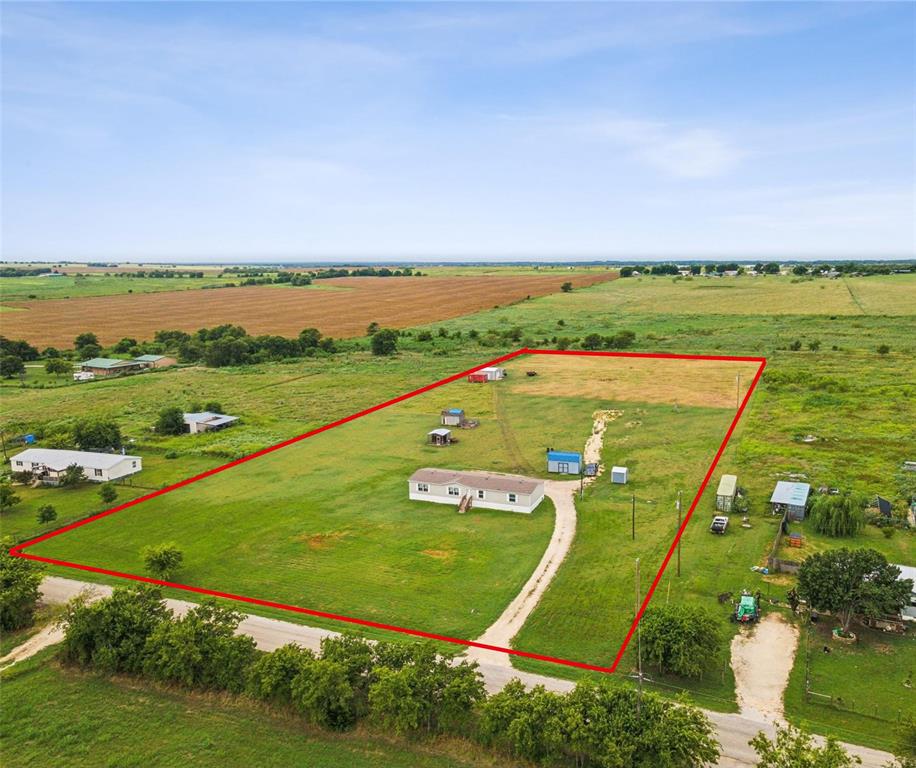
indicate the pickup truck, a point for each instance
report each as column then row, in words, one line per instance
column 719, row 524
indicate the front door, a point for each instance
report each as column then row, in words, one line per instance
column 563, row 467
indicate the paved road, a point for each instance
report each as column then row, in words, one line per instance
column 733, row 731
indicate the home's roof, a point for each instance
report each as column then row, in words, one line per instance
column 487, row 481
column 441, row 432
column 106, row 362
column 907, row 572
column 148, row 358
column 208, row 417
column 564, row 456
column 59, row 459
column 727, row 485
column 793, row 494
column 489, row 369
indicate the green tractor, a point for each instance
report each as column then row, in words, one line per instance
column 747, row 609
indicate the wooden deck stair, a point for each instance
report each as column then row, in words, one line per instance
column 465, row 504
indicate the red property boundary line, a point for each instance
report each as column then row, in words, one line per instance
column 19, row 550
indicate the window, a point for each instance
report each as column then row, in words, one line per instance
column 98, row 472
column 454, row 490
column 134, row 464
column 423, row 487
column 512, row 498
column 18, row 463
column 563, row 467
column 479, row 494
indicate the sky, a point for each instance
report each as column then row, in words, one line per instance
column 214, row 131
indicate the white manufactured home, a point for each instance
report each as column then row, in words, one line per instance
column 49, row 464
column 487, row 490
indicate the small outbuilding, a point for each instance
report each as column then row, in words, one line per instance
column 620, row 475
column 156, row 361
column 564, row 462
column 478, row 378
column 790, row 499
column 439, row 437
column 207, row 421
column 48, row 465
column 725, row 495
column 493, row 373
column 908, row 612
column 488, row 490
column 452, row 417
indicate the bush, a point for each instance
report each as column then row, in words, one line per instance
column 883, row 349
column 108, row 493
column 384, row 342
column 424, row 336
column 162, row 560
column 270, row 678
column 46, row 514
column 20, row 580
column 170, row 421
column 680, row 639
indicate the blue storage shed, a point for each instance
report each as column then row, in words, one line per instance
column 564, row 462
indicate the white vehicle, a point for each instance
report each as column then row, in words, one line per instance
column 719, row 524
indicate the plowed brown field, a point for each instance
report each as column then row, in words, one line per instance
column 340, row 307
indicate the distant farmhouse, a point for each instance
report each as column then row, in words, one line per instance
column 104, row 367
column 48, row 465
column 790, row 499
column 487, row 490
column 207, row 421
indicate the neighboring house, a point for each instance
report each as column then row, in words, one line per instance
column 439, row 437
column 790, row 499
column 564, row 462
column 452, row 417
column 48, row 464
column 908, row 612
column 487, row 490
column 156, row 361
column 207, row 421
column 108, row 366
column 725, row 495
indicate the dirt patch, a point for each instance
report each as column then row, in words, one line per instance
column 762, row 658
column 322, row 540
column 440, row 554
column 395, row 302
column 679, row 382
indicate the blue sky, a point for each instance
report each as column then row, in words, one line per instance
column 218, row 131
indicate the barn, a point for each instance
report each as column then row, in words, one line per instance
column 108, row 366
column 725, row 494
column 452, row 417
column 487, row 490
column 48, row 464
column 156, row 361
column 564, row 462
column 790, row 499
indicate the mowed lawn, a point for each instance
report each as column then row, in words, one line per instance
column 53, row 715
column 326, row 524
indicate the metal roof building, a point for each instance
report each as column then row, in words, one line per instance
column 564, row 462
column 791, row 499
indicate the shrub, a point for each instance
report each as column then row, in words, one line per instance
column 384, row 342
column 680, row 639
column 108, row 493
column 20, row 580
column 46, row 514
column 424, row 336
column 883, row 349
column 270, row 677
column 170, row 421
column 566, row 287
column 162, row 560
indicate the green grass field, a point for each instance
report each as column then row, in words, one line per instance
column 57, row 716
column 73, row 286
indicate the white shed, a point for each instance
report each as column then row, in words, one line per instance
column 493, row 373
column 619, row 475
column 725, row 494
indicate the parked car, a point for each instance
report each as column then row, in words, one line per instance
column 719, row 524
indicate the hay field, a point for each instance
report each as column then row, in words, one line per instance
column 285, row 310
column 708, row 383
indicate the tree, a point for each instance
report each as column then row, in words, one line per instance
column 124, row 345
column 58, row 366
column 271, row 676
column 213, row 406
column 170, row 421
column 848, row 582
column 162, row 560
column 46, row 514
column 883, row 349
column 19, row 590
column 593, row 341
column 309, row 338
column 793, row 748
column 838, row 515
column 626, row 271
column 372, row 328
column 99, row 435
column 322, row 692
column 566, row 287
column 71, row 476
column 680, row 639
column 384, row 342
column 111, row 634
column 108, row 493
column 10, row 366
column 85, row 340
column 8, row 497
column 799, row 269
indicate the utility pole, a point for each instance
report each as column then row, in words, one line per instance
column 679, row 528
column 633, row 518
column 638, row 643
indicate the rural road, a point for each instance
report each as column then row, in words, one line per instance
column 733, row 731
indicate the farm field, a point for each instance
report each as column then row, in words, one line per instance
column 339, row 307
column 90, row 720
column 71, row 286
column 325, row 523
